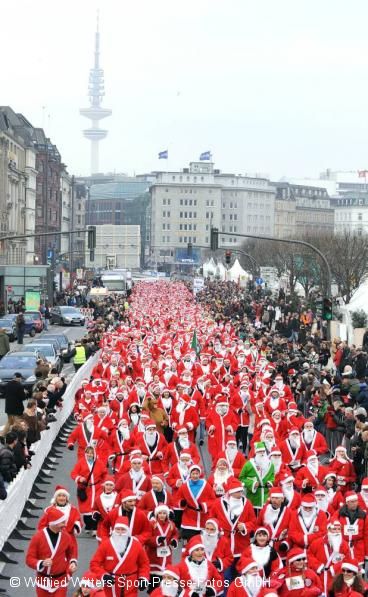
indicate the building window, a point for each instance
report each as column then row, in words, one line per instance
column 224, row 216
column 194, row 239
column 163, row 226
column 360, row 217
column 164, row 202
column 163, row 239
column 180, row 239
column 168, row 214
column 164, row 214
column 195, row 202
column 206, row 241
column 207, row 227
column 185, row 239
column 235, row 216
column 207, row 214
column 167, row 226
column 181, row 227
column 181, row 214
column 181, row 201
column 194, row 226
column 212, row 203
column 208, row 203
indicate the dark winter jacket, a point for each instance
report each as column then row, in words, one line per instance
column 8, row 467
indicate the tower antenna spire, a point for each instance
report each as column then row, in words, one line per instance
column 95, row 112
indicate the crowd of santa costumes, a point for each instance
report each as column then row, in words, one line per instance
column 259, row 515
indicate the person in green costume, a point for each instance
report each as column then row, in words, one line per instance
column 257, row 476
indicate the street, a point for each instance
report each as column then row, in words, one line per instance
column 73, row 333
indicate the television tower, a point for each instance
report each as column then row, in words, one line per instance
column 96, row 92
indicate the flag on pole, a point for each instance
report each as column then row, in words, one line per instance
column 206, row 155
column 362, row 173
column 163, row 155
column 194, row 345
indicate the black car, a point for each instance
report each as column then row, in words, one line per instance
column 64, row 343
column 66, row 316
column 9, row 326
column 18, row 362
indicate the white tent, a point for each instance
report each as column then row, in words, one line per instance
column 221, row 271
column 209, row 268
column 237, row 274
column 360, row 298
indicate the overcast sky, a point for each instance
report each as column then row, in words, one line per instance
column 269, row 87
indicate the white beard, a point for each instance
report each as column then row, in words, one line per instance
column 288, row 493
column 231, row 454
column 125, row 432
column 119, row 541
column 274, row 403
column 261, row 555
column 134, row 417
column 236, row 506
column 271, row 515
column 210, row 543
column 252, row 583
column 334, row 541
column 184, row 443
column 108, row 500
column 188, row 366
column 262, row 463
column 147, row 375
column 220, row 477
column 150, row 439
column 136, row 475
column 308, row 517
column 313, row 468
column 323, row 504
column 180, row 407
column 205, row 369
column 269, row 444
column 295, row 443
column 364, row 495
column 276, row 463
column 308, row 436
column 169, row 589
column 166, row 402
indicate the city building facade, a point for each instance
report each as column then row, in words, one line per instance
column 351, row 213
column 185, row 205
column 118, row 246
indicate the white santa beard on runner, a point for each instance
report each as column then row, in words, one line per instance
column 271, row 514
column 335, row 540
column 119, row 541
column 261, row 555
column 295, row 442
column 236, row 506
column 169, row 589
column 198, row 573
column 308, row 436
column 150, row 438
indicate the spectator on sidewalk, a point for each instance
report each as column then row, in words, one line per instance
column 34, row 421
column 4, row 343
column 14, row 395
column 20, row 324
column 8, row 467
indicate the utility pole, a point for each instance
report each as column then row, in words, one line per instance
column 71, row 219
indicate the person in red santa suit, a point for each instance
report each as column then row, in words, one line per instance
column 284, row 389
column 274, row 402
column 155, row 497
column 103, row 419
column 105, row 501
column 87, row 434
column 240, row 402
column 279, row 425
column 249, row 583
column 51, row 553
column 198, row 575
column 344, row 469
column 73, row 524
column 262, row 552
column 335, row 497
column 313, row 439
column 354, row 524
column 121, row 562
column 181, row 442
column 220, row 476
column 221, row 426
column 216, row 545
column 275, row 514
column 153, row 446
column 294, row 418
column 177, row 476
column 326, row 554
column 118, row 405
column 306, row 523
column 293, row 450
column 297, row 580
column 311, row 474
column 292, row 497
column 348, row 582
column 121, row 444
column 101, row 367
column 136, row 479
column 185, row 415
column 163, row 541
column 170, row 584
column 86, row 405
column 281, row 469
column 363, row 495
column 88, row 473
column 138, row 521
column 194, row 498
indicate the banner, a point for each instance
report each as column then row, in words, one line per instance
column 32, row 300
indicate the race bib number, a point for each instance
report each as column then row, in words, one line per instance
column 295, row 582
column 163, row 552
column 350, row 529
column 341, row 480
column 337, row 558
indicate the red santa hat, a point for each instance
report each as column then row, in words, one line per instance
column 365, row 483
column 214, row 522
column 274, row 390
column 194, row 543
column 296, row 554
column 185, row 452
column 276, row 492
column 195, row 467
column 55, row 516
column 308, row 500
column 330, row 474
column 149, row 424
column 162, row 508
column 109, row 479
column 61, row 490
column 293, row 430
column 127, row 494
column 233, row 486
column 246, row 564
column 350, row 564
column 320, row 490
column 182, row 430
column 292, row 406
column 122, row 522
column 171, row 570
column 275, row 451
column 158, row 478
column 350, row 496
column 264, row 529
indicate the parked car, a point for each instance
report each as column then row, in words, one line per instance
column 37, row 319
column 66, row 316
column 30, row 326
column 18, row 362
column 46, row 350
column 9, row 326
column 65, row 344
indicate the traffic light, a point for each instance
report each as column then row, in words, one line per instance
column 327, row 309
column 190, row 251
column 214, row 239
column 91, row 237
column 227, row 257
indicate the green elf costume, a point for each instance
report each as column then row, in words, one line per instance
column 257, row 476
